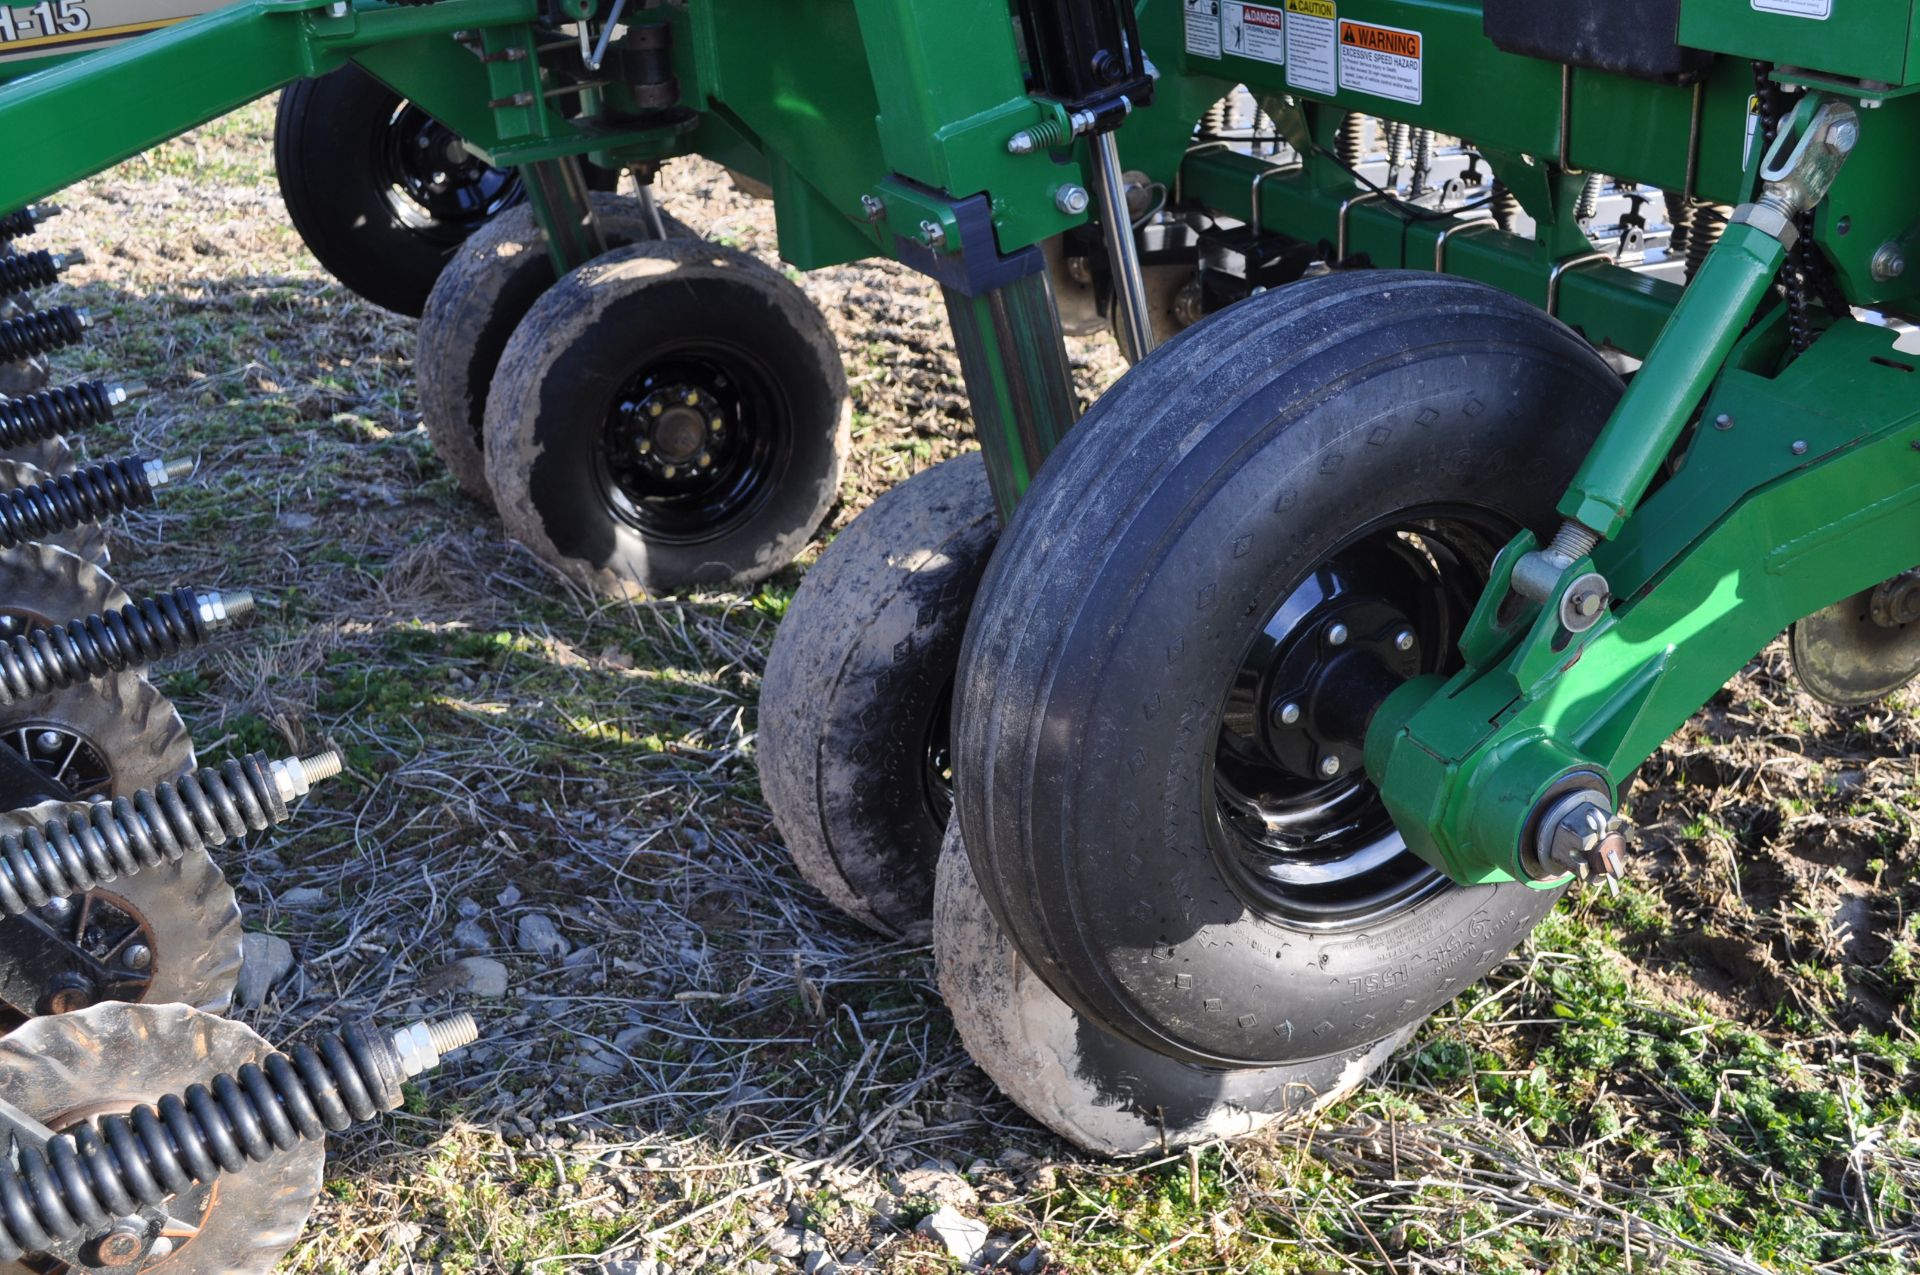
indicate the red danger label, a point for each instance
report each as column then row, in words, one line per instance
column 1272, row 19
column 1358, row 35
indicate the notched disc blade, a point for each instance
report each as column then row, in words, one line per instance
column 76, row 1067
column 1848, row 657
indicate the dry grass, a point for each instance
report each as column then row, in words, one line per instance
column 1711, row 1071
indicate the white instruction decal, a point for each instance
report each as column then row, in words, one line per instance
column 1313, row 45
column 1383, row 61
column 1257, row 31
column 1820, row 9
column 1203, row 28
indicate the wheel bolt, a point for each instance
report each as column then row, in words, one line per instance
column 692, row 398
column 1329, row 766
column 1403, row 640
column 1288, row 713
column 706, row 460
column 47, row 740
column 57, row 909
column 645, row 446
column 654, row 409
column 669, row 471
column 139, row 957
column 1336, row 635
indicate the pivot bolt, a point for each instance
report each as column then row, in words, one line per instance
column 1288, row 713
column 1071, row 199
column 1336, row 635
column 1581, row 835
column 1329, row 766
column 1403, row 640
column 1888, row 263
column 1585, row 601
column 1841, row 135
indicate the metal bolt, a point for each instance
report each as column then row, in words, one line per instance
column 1580, row 834
column 1336, row 635
column 1021, row 143
column 1071, row 199
column 691, row 398
column 934, row 233
column 47, row 740
column 1888, row 263
column 872, row 207
column 1329, row 766
column 57, row 909
column 655, row 408
column 1799, row 447
column 1583, row 602
column 1723, row 421
column 669, row 471
column 1289, row 713
column 338, row 9
column 1841, row 136
column 706, row 459
column 138, row 956
column 1403, row 640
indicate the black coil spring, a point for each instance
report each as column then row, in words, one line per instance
column 86, row 848
column 18, row 223
column 86, row 495
column 1350, row 143
column 1680, row 217
column 34, row 418
column 23, row 270
column 93, row 1173
column 41, row 331
column 1505, row 205
column 49, row 659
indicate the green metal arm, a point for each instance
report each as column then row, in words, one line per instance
column 78, row 118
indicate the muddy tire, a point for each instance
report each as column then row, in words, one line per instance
column 669, row 417
column 1172, row 858
column 480, row 298
column 1102, row 1092
column 855, row 706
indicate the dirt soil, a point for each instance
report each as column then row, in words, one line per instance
column 694, row 1064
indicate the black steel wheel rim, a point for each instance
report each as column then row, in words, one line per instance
column 936, row 771
column 72, row 953
column 433, row 183
column 74, row 764
column 694, row 443
column 1315, row 846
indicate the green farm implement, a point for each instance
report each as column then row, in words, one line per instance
column 1505, row 376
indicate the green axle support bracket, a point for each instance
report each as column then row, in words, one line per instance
column 1810, row 493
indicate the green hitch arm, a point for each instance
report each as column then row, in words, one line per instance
column 73, row 120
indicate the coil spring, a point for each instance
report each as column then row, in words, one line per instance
column 1680, row 217
column 23, row 270
column 1589, row 202
column 33, row 418
column 87, row 495
column 1709, row 223
column 93, row 1173
column 1505, row 205
column 41, row 331
column 1214, row 123
column 86, row 848
column 1422, row 159
column 1350, row 143
column 49, row 659
column 19, row 223
column 1397, row 137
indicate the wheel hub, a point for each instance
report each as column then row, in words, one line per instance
column 676, row 431
column 73, row 953
column 1328, row 675
column 433, row 174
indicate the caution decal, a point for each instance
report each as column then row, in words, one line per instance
column 1312, row 45
column 1383, row 61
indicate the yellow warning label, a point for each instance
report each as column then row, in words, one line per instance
column 1312, row 8
column 1405, row 44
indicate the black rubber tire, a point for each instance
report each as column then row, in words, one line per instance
column 1119, row 605
column 486, row 289
column 566, row 365
column 859, row 682
column 1102, row 1092
column 330, row 150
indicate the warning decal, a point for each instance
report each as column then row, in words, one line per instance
column 1256, row 31
column 1203, row 28
column 1313, row 45
column 1820, row 9
column 1383, row 61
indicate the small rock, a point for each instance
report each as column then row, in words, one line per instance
column 470, row 976
column 964, row 1237
column 293, row 520
column 509, row 896
column 596, row 1063
column 303, row 896
column 472, row 936
column 265, row 959
column 539, row 935
column 404, row 1235
column 784, row 1242
column 1035, row 1259
column 632, row 1038
column 819, row 1263
column 582, row 956
column 467, row 908
column 938, row 1185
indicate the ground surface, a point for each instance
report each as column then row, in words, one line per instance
column 709, row 1069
